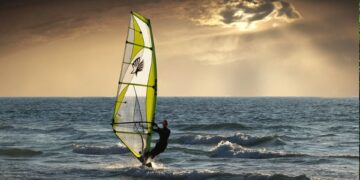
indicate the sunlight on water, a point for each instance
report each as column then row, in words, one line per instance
column 157, row 165
column 126, row 163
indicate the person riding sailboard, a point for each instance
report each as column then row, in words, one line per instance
column 161, row 145
column 135, row 104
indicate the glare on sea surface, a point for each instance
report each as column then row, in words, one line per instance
column 131, row 162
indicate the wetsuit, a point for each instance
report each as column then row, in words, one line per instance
column 161, row 145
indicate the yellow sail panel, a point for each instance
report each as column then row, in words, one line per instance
column 118, row 102
column 138, row 39
column 144, row 19
column 134, row 109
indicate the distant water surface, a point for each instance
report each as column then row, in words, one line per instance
column 212, row 138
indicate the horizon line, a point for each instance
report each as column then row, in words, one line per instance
column 185, row 96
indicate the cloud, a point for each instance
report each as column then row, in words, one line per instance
column 39, row 21
column 33, row 22
column 314, row 55
column 228, row 15
column 288, row 11
column 255, row 10
column 244, row 13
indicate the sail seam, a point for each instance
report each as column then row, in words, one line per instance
column 135, row 30
column 134, row 84
column 126, row 132
column 128, row 42
column 129, row 122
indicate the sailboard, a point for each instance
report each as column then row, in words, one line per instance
column 135, row 104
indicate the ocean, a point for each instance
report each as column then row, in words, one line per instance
column 211, row 138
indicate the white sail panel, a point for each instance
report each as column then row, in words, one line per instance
column 145, row 32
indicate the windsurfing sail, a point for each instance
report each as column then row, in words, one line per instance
column 135, row 103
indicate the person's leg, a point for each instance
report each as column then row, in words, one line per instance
column 154, row 152
column 159, row 148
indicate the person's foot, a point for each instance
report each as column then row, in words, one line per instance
column 143, row 159
column 148, row 165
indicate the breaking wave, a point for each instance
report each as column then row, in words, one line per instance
column 99, row 150
column 228, row 149
column 238, row 138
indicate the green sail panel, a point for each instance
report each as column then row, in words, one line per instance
column 135, row 104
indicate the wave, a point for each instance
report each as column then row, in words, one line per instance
column 22, row 129
column 16, row 152
column 228, row 149
column 28, row 129
column 238, row 138
column 188, row 150
column 216, row 126
column 43, row 130
column 280, row 127
column 62, row 129
column 5, row 126
column 327, row 135
column 197, row 174
column 343, row 156
column 99, row 150
column 140, row 172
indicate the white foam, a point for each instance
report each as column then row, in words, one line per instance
column 99, row 150
column 238, row 138
column 150, row 173
column 228, row 149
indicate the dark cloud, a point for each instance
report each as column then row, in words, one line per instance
column 333, row 31
column 250, row 11
column 31, row 22
column 46, row 19
column 287, row 10
column 228, row 15
column 259, row 12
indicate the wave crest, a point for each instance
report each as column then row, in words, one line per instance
column 238, row 138
column 228, row 149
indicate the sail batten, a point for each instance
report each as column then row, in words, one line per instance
column 138, row 45
column 134, row 109
column 134, row 84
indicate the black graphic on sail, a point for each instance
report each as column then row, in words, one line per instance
column 137, row 65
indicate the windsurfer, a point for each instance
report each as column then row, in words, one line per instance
column 161, row 145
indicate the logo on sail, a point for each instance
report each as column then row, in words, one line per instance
column 137, row 65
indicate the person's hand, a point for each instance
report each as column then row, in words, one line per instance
column 155, row 125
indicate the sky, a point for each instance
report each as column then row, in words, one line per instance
column 203, row 48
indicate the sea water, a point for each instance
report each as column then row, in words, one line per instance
column 211, row 138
